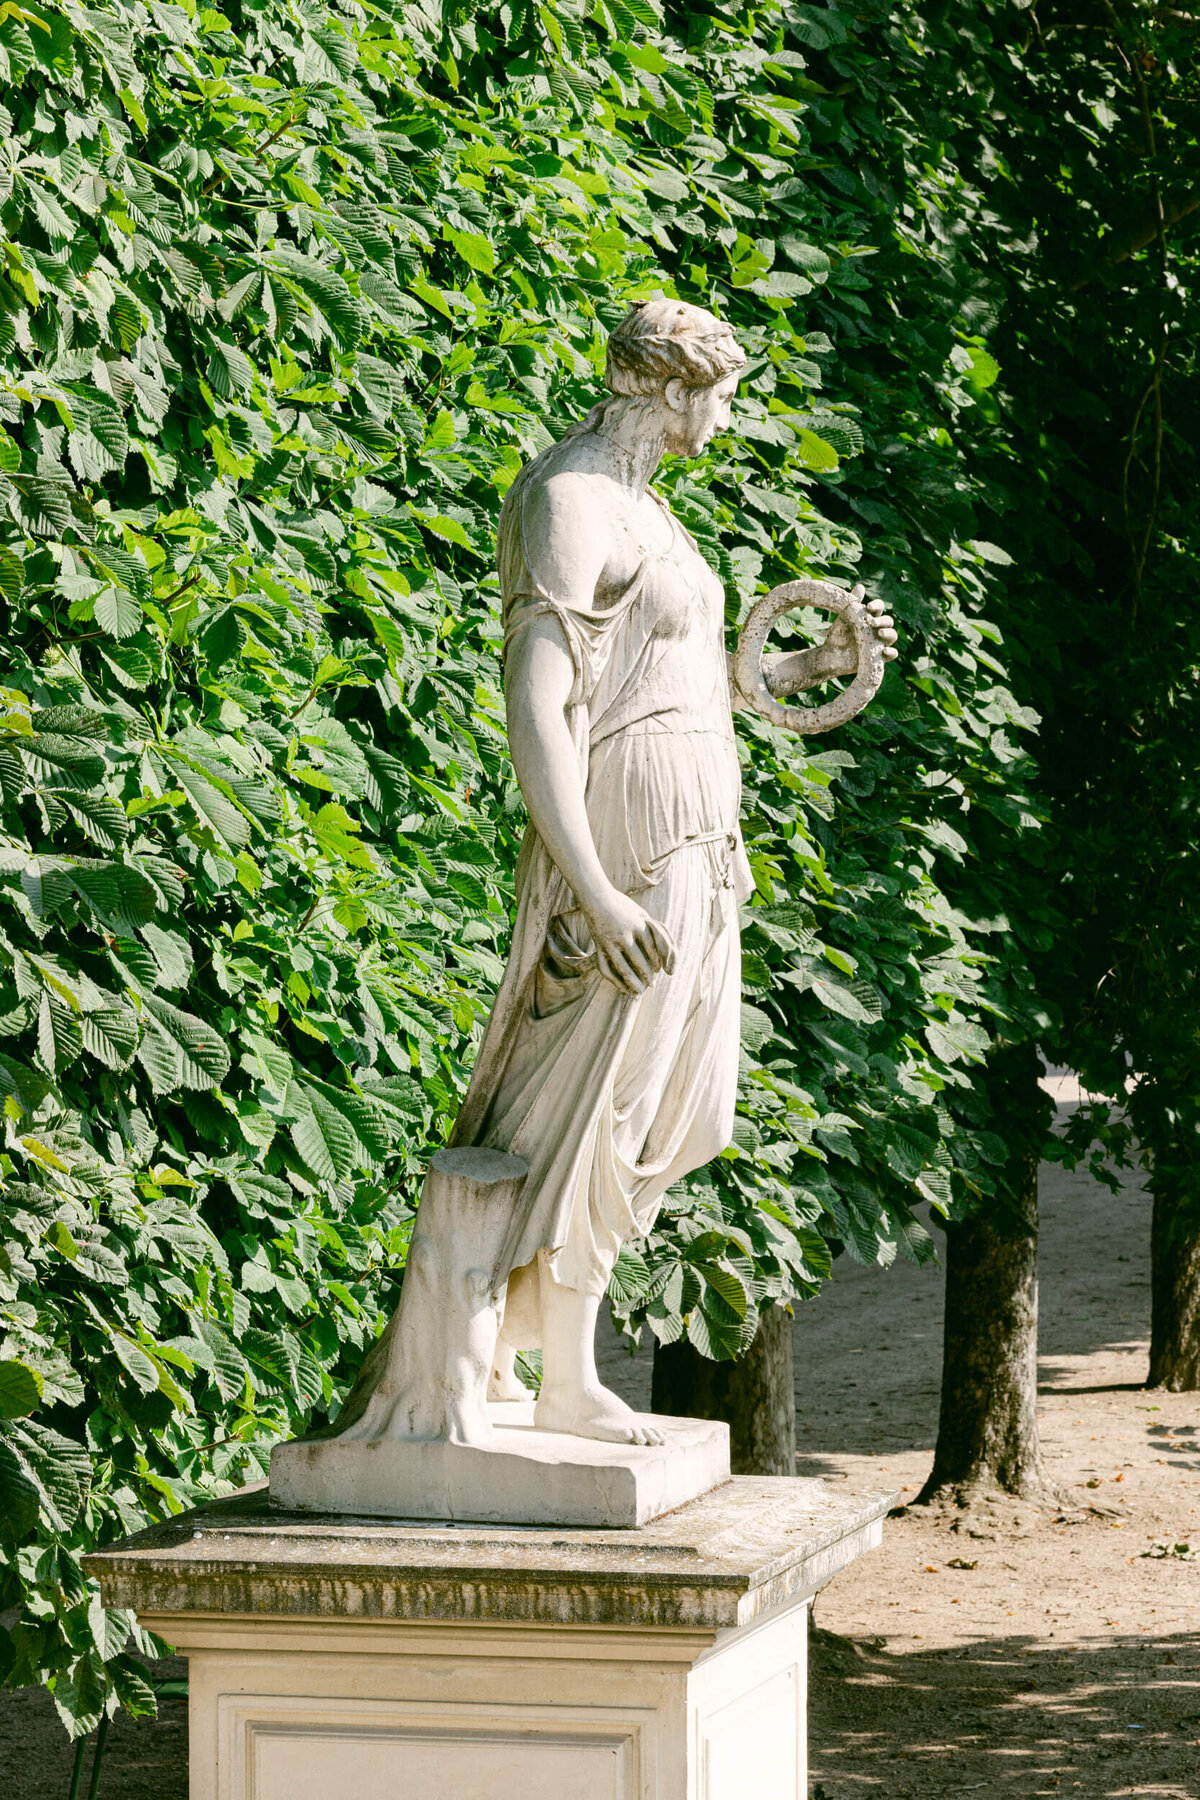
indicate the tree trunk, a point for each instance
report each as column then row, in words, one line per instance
column 1175, row 1284
column 987, row 1440
column 755, row 1395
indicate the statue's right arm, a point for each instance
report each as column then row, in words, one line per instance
column 572, row 545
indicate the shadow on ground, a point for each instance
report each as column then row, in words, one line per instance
column 145, row 1759
column 1006, row 1717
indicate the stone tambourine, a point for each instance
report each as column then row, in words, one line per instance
column 747, row 658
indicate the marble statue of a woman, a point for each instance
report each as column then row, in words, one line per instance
column 609, row 1065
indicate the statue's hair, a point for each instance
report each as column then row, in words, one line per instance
column 665, row 340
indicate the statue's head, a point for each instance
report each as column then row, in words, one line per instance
column 683, row 357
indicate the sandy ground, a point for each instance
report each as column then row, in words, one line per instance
column 1037, row 1657
column 1023, row 1657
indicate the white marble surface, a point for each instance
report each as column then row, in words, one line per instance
column 517, row 1475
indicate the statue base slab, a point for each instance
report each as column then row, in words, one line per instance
column 338, row 1659
column 523, row 1477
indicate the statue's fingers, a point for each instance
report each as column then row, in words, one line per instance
column 615, row 971
column 635, row 957
column 665, row 946
column 889, row 655
column 887, row 634
column 649, row 946
column 857, row 592
column 876, row 606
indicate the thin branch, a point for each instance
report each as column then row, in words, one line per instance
column 1150, row 229
column 1156, row 476
column 310, row 695
column 1157, row 235
column 166, row 599
column 274, row 137
column 1133, row 433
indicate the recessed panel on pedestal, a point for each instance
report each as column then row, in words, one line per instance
column 274, row 1748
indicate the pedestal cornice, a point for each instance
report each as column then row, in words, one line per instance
column 742, row 1550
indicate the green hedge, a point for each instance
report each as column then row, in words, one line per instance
column 289, row 293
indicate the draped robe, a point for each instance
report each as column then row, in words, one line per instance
column 611, row 1097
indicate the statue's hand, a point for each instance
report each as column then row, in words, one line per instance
column 792, row 671
column 839, row 655
column 631, row 947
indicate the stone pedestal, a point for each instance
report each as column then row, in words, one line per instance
column 342, row 1659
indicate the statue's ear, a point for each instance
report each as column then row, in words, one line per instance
column 676, row 394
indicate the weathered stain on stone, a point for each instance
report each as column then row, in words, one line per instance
column 720, row 1561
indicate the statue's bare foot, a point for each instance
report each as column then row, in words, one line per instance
column 593, row 1412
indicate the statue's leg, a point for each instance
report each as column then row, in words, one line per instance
column 573, row 1398
column 504, row 1383
column 521, row 1329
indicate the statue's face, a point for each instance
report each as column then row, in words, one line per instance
column 695, row 415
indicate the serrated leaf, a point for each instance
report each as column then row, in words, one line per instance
column 844, row 1042
column 54, row 221
column 100, row 819
column 907, row 1151
column 20, row 1492
column 630, row 1278
column 61, row 1469
column 815, row 453
column 130, row 664
column 46, row 883
column 328, row 291
column 324, row 1137
column 222, row 636
column 28, row 1087
column 381, row 384
column 728, row 1285
column 228, row 1366
column 212, row 809
column 60, row 1039
column 839, row 998
column 203, row 1057
column 272, row 1059
column 110, row 1034
column 162, row 1061
column 45, row 504
column 135, row 1362
column 117, row 612
column 757, row 1028
column 917, row 1244
column 49, row 751
column 120, row 895
column 230, row 370
column 12, row 575
column 241, row 296
column 20, row 1390
column 99, row 443
column 859, row 1238
column 172, row 953
column 473, row 247
column 74, row 721
column 136, row 1693
column 369, row 1122
column 957, row 1040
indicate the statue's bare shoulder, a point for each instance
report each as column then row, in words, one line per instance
column 581, row 530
